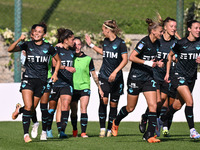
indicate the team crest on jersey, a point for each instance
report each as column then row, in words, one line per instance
column 123, row 41
column 45, row 51
column 173, row 45
column 62, row 54
column 140, row 46
column 185, row 47
column 72, row 55
column 104, row 45
column 114, row 47
column 148, row 49
column 31, row 49
column 198, row 48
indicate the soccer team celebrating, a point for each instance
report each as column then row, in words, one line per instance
column 164, row 69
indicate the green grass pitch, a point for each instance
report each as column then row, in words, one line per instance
column 129, row 137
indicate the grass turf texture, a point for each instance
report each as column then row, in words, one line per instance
column 129, row 137
column 90, row 14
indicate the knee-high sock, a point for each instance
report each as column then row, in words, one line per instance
column 59, row 126
column 169, row 114
column 102, row 115
column 44, row 111
column 64, row 119
column 84, row 121
column 50, row 118
column 122, row 114
column 34, row 117
column 189, row 116
column 26, row 120
column 152, row 116
column 112, row 116
column 163, row 111
column 74, row 122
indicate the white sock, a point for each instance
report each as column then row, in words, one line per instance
column 26, row 135
column 103, row 129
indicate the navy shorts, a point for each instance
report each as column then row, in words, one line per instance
column 38, row 86
column 179, row 81
column 115, row 89
column 162, row 86
column 77, row 94
column 56, row 92
column 135, row 87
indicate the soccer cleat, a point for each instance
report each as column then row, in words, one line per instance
column 16, row 112
column 158, row 127
column 84, row 135
column 34, row 131
column 114, row 129
column 43, row 136
column 153, row 140
column 27, row 138
column 143, row 123
column 49, row 134
column 62, row 135
column 165, row 133
column 75, row 133
column 194, row 134
column 102, row 133
column 109, row 134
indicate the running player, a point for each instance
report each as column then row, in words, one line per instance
column 81, row 81
column 63, row 88
column 44, row 98
column 35, row 76
column 141, row 79
column 115, row 57
column 185, row 74
column 162, row 88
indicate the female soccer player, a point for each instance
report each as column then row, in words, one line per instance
column 162, row 88
column 185, row 74
column 63, row 88
column 110, row 75
column 81, row 81
column 141, row 79
column 35, row 76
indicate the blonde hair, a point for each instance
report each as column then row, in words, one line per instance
column 112, row 25
column 153, row 24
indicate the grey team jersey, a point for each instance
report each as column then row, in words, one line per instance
column 165, row 47
column 187, row 53
column 112, row 57
column 37, row 59
column 65, row 78
column 146, row 51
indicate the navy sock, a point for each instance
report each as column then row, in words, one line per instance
column 152, row 116
column 189, row 116
column 26, row 120
column 34, row 117
column 44, row 111
column 84, row 121
column 169, row 114
column 64, row 120
column 102, row 115
column 163, row 111
column 59, row 126
column 50, row 118
column 74, row 122
column 122, row 114
column 112, row 116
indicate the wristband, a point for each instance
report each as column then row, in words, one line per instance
column 92, row 45
column 148, row 63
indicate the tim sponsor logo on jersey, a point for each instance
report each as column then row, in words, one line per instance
column 68, row 63
column 38, row 58
column 189, row 55
column 145, row 57
column 162, row 55
column 110, row 54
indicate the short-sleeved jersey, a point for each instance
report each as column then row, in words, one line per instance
column 37, row 59
column 165, row 47
column 146, row 51
column 187, row 53
column 112, row 57
column 65, row 78
column 81, row 78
